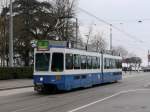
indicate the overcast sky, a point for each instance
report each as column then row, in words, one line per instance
column 125, row 15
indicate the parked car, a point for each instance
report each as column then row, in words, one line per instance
column 146, row 69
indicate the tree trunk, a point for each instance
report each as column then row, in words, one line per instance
column 26, row 58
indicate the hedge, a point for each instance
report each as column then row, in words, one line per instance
column 16, row 73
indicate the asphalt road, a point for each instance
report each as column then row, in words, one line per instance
column 132, row 94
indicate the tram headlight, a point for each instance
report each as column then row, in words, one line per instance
column 41, row 79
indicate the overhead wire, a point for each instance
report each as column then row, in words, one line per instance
column 140, row 20
column 113, row 26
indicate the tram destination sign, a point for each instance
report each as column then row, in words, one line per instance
column 43, row 45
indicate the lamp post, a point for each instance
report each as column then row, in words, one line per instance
column 11, row 64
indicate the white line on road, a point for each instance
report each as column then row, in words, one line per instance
column 106, row 98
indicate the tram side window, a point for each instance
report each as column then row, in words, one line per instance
column 89, row 62
column 113, row 63
column 42, row 61
column 118, row 64
column 105, row 66
column 77, row 64
column 94, row 62
column 107, row 63
column 98, row 62
column 57, row 62
column 69, row 61
column 83, row 62
column 110, row 63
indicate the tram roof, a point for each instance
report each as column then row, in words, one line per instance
column 72, row 46
column 81, row 50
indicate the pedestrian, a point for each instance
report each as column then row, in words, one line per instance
column 130, row 68
column 125, row 69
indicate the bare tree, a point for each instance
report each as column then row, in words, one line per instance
column 133, row 62
column 64, row 10
column 121, row 51
column 131, row 55
column 99, row 42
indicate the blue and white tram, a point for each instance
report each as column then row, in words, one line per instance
column 112, row 68
column 66, row 69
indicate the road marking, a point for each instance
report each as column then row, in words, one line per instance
column 106, row 98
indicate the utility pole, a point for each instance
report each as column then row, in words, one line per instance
column 88, row 36
column 110, row 36
column 148, row 57
column 11, row 64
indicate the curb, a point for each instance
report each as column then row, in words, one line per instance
column 4, row 89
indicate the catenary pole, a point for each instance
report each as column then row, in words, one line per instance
column 11, row 64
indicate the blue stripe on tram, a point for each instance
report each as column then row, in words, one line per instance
column 68, row 82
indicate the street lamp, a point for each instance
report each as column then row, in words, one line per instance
column 140, row 21
column 11, row 64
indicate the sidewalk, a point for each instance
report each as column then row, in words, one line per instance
column 15, row 84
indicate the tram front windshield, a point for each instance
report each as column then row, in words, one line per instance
column 42, row 61
column 57, row 62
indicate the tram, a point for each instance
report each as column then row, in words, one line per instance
column 57, row 67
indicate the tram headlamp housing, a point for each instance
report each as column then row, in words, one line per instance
column 41, row 79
